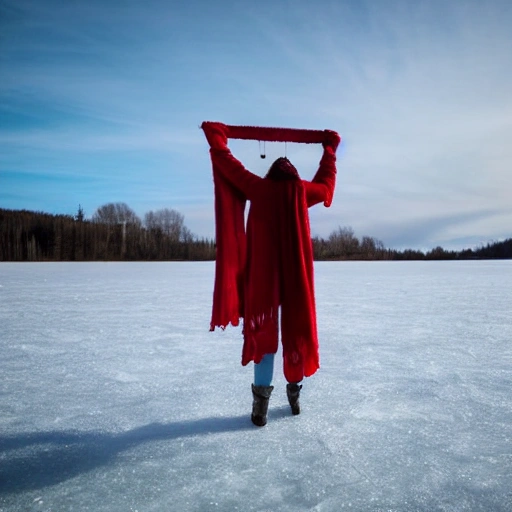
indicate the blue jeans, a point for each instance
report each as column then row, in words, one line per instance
column 264, row 371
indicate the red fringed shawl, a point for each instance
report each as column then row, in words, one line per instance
column 275, row 134
column 271, row 264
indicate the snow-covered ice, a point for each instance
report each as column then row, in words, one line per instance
column 115, row 397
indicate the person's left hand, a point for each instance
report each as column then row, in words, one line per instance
column 216, row 134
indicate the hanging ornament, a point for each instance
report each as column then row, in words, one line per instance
column 262, row 155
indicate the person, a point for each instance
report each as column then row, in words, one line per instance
column 265, row 269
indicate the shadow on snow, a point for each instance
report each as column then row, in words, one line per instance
column 42, row 459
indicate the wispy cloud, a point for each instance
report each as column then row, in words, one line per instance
column 418, row 90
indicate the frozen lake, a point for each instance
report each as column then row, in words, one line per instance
column 115, row 397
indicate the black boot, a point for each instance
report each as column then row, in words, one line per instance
column 261, row 395
column 293, row 393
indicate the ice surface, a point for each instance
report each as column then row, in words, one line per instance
column 115, row 397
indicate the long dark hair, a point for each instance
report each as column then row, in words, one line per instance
column 282, row 169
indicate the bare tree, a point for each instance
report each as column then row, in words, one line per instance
column 121, row 222
column 168, row 221
column 342, row 242
column 115, row 214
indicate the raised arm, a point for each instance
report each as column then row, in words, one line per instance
column 223, row 160
column 321, row 187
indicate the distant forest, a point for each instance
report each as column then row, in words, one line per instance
column 116, row 233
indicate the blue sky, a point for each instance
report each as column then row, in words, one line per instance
column 100, row 101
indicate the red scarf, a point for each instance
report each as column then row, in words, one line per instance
column 268, row 266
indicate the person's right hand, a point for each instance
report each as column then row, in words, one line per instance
column 216, row 134
column 331, row 140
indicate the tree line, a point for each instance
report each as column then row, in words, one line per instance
column 116, row 233
column 342, row 244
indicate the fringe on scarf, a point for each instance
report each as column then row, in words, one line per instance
column 256, row 322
